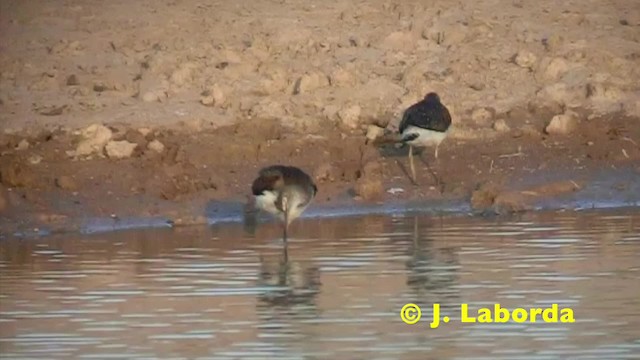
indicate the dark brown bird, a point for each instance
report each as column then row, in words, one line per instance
column 284, row 192
column 425, row 123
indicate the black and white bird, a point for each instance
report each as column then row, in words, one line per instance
column 425, row 123
column 284, row 192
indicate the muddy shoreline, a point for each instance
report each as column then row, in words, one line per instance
column 205, row 178
column 142, row 110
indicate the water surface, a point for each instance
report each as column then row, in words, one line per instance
column 217, row 292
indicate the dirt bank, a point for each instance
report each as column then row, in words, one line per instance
column 44, row 184
column 145, row 109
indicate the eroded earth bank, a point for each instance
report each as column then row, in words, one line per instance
column 156, row 109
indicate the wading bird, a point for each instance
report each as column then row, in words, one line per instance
column 425, row 123
column 284, row 192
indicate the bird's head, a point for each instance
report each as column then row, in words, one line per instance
column 432, row 97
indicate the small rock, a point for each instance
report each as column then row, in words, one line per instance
column 65, row 182
column 483, row 197
column 556, row 68
column 156, row 146
column 350, row 116
column 136, row 137
column 120, row 149
column 477, row 85
column 153, row 88
column 95, row 137
column 100, row 87
column 481, row 116
column 154, row 96
column 309, row 82
column 374, row 132
column 213, row 96
column 326, row 172
column 369, row 188
column 501, row 126
column 553, row 42
column 369, row 185
column 22, row 145
column 150, row 96
column 35, row 159
column 72, row 80
column 562, row 124
column 144, row 131
column 525, row 59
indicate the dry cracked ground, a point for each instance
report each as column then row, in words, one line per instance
column 155, row 108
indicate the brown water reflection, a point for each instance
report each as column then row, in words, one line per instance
column 219, row 293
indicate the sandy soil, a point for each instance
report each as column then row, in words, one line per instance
column 146, row 108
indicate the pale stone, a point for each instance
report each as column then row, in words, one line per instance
column 22, row 145
column 501, row 126
column 350, row 116
column 309, row 82
column 481, row 116
column 156, row 146
column 374, row 132
column 562, row 124
column 120, row 149
column 525, row 59
column 95, row 137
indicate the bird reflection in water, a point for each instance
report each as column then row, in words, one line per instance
column 292, row 288
column 432, row 273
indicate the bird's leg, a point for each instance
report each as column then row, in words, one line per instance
column 286, row 254
column 285, row 208
column 439, row 182
column 413, row 168
column 285, row 236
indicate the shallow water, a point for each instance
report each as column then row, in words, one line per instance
column 217, row 292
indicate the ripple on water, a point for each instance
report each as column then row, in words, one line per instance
column 180, row 294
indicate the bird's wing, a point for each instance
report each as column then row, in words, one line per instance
column 268, row 180
column 407, row 117
column 428, row 116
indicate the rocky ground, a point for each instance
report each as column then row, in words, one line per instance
column 147, row 108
